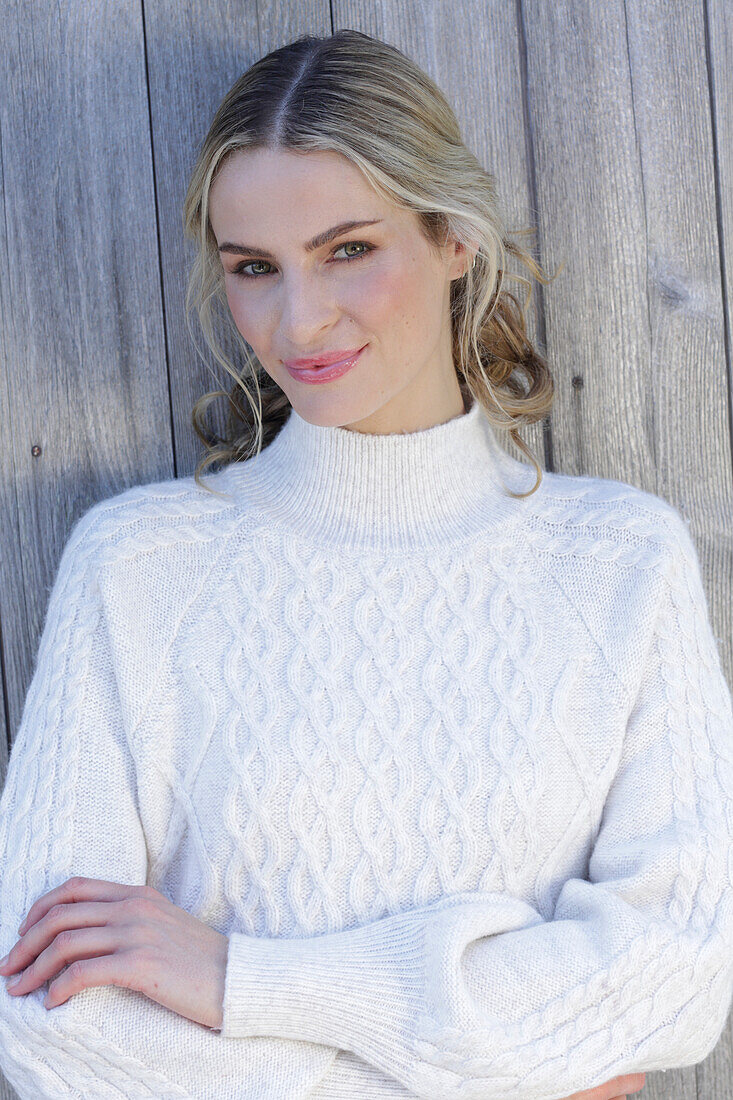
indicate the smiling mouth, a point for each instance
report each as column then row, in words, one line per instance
column 328, row 359
column 324, row 372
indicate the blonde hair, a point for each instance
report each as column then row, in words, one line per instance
column 358, row 96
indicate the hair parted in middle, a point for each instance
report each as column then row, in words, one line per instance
column 356, row 95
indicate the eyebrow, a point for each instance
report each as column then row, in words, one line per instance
column 310, row 246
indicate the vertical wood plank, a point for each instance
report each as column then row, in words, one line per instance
column 719, row 51
column 6, row 479
column 85, row 372
column 10, row 533
column 687, row 372
column 715, row 1074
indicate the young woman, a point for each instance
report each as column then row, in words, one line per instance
column 381, row 764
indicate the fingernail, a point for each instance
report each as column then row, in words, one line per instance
column 14, row 981
column 3, row 961
column 21, row 929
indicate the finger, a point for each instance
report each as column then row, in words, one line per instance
column 59, row 918
column 609, row 1089
column 632, row 1082
column 629, row 1083
column 84, row 973
column 67, row 947
column 78, row 889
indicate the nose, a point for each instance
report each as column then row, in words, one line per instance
column 306, row 308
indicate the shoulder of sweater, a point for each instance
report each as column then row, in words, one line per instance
column 150, row 515
column 607, row 517
column 612, row 549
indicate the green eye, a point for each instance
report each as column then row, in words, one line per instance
column 354, row 255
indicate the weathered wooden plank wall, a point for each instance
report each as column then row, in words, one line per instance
column 609, row 127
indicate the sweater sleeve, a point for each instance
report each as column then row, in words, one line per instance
column 68, row 807
column 478, row 995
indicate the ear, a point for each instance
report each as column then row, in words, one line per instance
column 461, row 258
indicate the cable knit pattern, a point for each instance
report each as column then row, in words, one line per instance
column 452, row 770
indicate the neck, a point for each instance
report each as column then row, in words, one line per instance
column 345, row 488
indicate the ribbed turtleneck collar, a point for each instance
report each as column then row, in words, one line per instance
column 343, row 487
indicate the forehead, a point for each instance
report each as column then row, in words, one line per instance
column 270, row 188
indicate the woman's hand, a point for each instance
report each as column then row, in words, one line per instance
column 615, row 1089
column 107, row 933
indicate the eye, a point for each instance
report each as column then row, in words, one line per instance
column 240, row 268
column 357, row 255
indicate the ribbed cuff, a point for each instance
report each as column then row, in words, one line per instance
column 359, row 990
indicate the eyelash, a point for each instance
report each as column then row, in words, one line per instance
column 239, row 270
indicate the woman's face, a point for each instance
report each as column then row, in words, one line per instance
column 379, row 287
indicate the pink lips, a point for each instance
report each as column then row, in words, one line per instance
column 324, row 360
column 323, row 368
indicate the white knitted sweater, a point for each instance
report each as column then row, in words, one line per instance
column 452, row 770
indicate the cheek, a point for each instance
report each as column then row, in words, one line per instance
column 371, row 298
column 399, row 298
column 248, row 316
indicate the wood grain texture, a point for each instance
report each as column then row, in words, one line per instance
column 609, row 128
column 84, row 376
